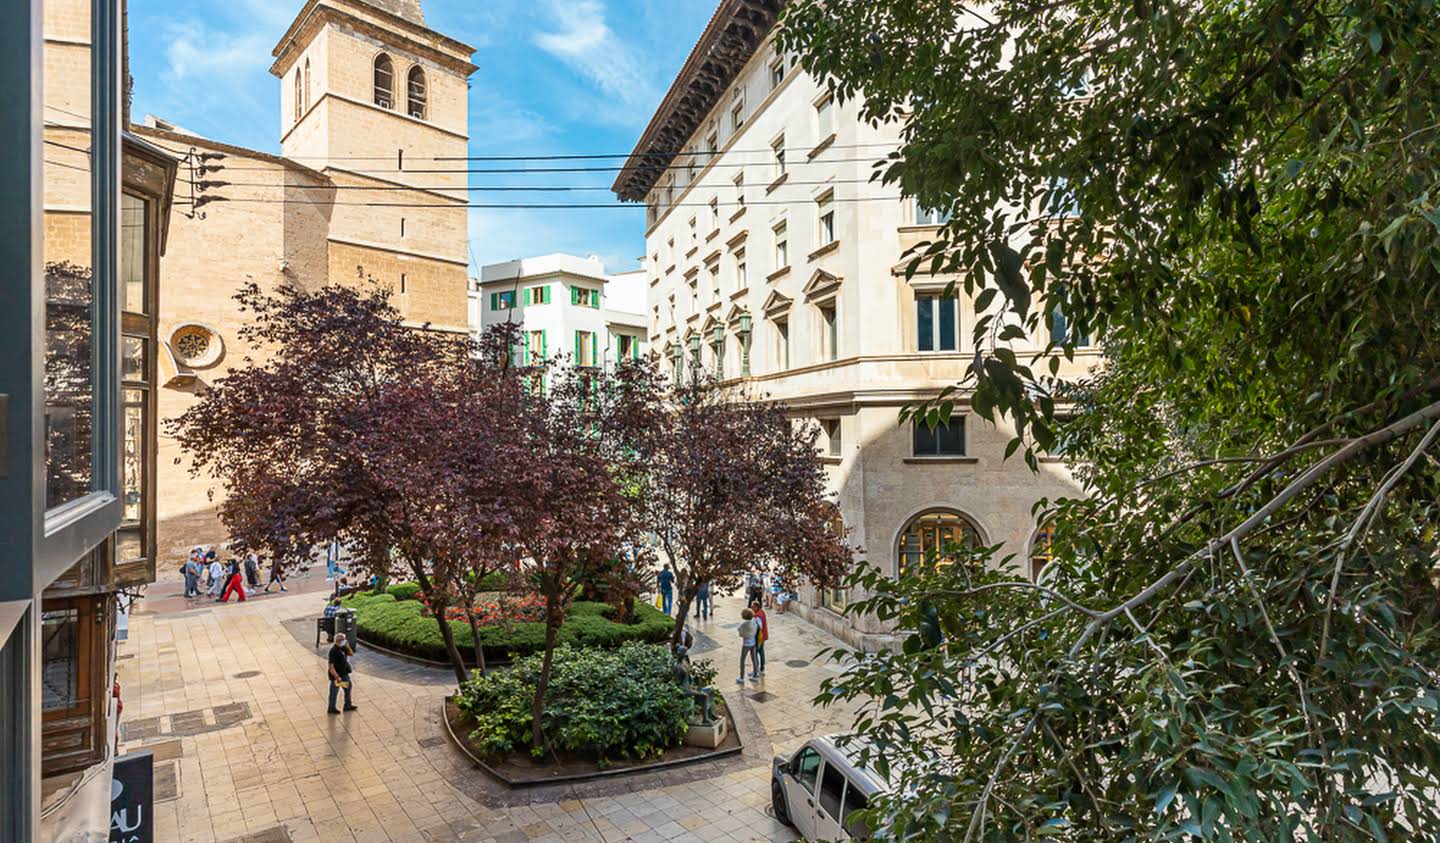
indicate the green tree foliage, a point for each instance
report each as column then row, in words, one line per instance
column 1238, row 637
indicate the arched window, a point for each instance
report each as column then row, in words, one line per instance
column 1042, row 549
column 299, row 96
column 384, row 82
column 307, row 84
column 930, row 533
column 415, row 88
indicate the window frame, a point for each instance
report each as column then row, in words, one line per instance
column 937, row 520
column 938, row 303
column 781, row 234
column 411, row 98
column 919, row 428
column 387, row 101
column 825, row 219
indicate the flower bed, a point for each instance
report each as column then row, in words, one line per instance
column 495, row 609
column 606, row 704
column 403, row 626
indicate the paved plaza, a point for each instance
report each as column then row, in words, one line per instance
column 231, row 699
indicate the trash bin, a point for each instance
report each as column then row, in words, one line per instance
column 345, row 623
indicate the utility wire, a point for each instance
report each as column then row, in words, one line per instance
column 589, row 156
column 68, row 146
column 523, row 170
column 569, row 206
column 476, row 188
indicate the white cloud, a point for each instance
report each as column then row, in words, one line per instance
column 587, row 45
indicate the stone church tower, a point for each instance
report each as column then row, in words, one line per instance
column 372, row 102
column 376, row 100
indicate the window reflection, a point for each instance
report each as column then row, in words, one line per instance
column 132, row 253
column 69, row 377
column 69, row 297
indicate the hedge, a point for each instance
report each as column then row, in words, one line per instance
column 399, row 625
column 493, row 581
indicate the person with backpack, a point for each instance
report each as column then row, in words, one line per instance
column 217, row 575
column 191, row 570
column 762, row 634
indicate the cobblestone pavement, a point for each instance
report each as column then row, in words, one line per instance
column 231, row 699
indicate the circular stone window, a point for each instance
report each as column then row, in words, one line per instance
column 196, row 345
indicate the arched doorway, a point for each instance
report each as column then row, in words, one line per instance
column 930, row 532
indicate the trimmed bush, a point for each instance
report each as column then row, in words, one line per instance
column 612, row 704
column 400, row 625
column 404, row 590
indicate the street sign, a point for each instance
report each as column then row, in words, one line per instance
column 132, row 799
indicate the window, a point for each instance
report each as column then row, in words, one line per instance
column 832, row 790
column 936, row 324
column 585, row 348
column 627, row 347
column 712, row 145
column 945, row 440
column 777, row 72
column 690, row 166
column 928, row 536
column 415, row 93
column 694, row 239
column 715, row 215
column 502, row 301
column 782, row 343
column 930, row 216
column 1042, row 549
column 307, row 84
column 778, row 150
column 535, row 351
column 831, row 428
column 829, row 332
column 1061, row 200
column 133, row 257
column 384, row 82
column 299, row 97
column 825, row 119
column 806, row 767
column 825, row 213
column 1063, row 331
column 855, row 801
column 538, row 295
column 584, row 297
column 782, row 246
column 740, row 189
column 742, row 272
column 737, row 116
column 65, row 651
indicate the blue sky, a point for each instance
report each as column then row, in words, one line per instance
column 555, row 77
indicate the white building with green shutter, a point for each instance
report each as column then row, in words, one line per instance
column 566, row 307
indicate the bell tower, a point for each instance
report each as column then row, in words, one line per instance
column 369, row 95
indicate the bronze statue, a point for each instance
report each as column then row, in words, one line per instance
column 704, row 697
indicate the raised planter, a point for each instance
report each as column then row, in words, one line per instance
column 523, row 772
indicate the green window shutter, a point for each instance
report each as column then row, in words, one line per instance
column 574, row 295
column 527, row 296
column 545, row 344
column 494, row 301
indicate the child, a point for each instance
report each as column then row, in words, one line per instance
column 749, row 629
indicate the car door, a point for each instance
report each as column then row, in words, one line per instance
column 800, row 790
column 828, row 801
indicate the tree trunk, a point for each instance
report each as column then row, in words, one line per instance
column 475, row 636
column 682, row 607
column 446, row 634
column 552, row 631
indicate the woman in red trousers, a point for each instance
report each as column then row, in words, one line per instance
column 234, row 582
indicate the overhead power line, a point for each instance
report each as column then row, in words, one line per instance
column 607, row 169
column 573, row 206
column 472, row 188
column 592, row 156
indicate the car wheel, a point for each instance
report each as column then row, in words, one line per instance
column 777, row 802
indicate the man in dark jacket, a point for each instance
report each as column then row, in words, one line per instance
column 339, row 672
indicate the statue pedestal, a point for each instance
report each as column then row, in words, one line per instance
column 708, row 737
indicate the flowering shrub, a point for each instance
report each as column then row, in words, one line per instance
column 495, row 609
column 616, row 704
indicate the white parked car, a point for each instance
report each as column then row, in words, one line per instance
column 816, row 789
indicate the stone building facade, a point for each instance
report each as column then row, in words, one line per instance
column 773, row 258
column 372, row 103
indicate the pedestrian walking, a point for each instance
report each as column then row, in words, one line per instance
column 234, row 583
column 217, row 576
column 754, row 587
column 702, row 601
column 666, row 580
column 277, row 576
column 252, row 571
column 340, row 674
column 192, row 573
column 748, row 631
column 762, row 635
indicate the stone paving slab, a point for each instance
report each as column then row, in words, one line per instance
column 236, row 702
